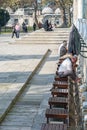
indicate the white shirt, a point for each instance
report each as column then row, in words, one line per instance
column 66, row 66
column 17, row 27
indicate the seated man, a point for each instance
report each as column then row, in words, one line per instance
column 62, row 48
column 67, row 68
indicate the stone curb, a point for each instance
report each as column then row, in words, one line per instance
column 23, row 87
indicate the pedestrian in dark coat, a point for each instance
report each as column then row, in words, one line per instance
column 74, row 45
column 24, row 27
column 13, row 31
column 34, row 26
column 46, row 25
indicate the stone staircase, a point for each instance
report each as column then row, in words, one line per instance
column 43, row 37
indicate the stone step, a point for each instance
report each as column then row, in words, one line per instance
column 50, row 34
column 41, row 41
column 38, row 42
column 55, row 30
column 44, row 38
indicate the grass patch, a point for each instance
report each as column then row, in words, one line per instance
column 9, row 29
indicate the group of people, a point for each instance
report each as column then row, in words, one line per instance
column 16, row 29
column 68, row 57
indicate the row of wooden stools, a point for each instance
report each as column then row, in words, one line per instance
column 58, row 112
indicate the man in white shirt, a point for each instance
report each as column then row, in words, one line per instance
column 67, row 68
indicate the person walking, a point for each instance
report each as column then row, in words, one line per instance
column 17, row 28
column 24, row 27
column 34, row 26
column 13, row 31
column 46, row 25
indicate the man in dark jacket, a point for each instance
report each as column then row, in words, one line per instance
column 34, row 27
column 74, row 45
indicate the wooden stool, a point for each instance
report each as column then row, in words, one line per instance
column 53, row 126
column 59, row 92
column 57, row 78
column 60, row 114
column 58, row 101
column 60, row 84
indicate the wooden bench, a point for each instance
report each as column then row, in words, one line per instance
column 57, row 78
column 59, row 92
column 59, row 114
column 53, row 126
column 60, row 84
column 58, row 101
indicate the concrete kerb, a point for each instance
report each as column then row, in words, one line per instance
column 23, row 87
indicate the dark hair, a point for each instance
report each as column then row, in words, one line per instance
column 65, row 43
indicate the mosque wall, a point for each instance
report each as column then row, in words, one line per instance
column 21, row 15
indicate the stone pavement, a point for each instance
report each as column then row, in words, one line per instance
column 18, row 63
column 6, row 38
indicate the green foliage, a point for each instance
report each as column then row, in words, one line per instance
column 4, row 17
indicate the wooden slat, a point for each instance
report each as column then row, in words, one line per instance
column 57, row 78
column 59, row 92
column 53, row 126
column 60, row 84
column 58, row 101
column 56, row 114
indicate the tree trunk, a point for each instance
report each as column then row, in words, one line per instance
column 35, row 12
column 69, row 17
column 64, row 24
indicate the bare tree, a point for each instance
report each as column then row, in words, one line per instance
column 35, row 4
